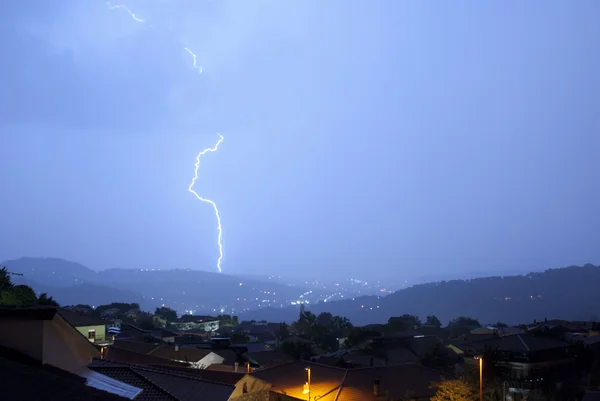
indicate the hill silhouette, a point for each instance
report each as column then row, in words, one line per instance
column 201, row 291
column 565, row 293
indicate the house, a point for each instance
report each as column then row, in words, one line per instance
column 116, row 354
column 527, row 359
column 329, row 383
column 164, row 335
column 193, row 357
column 193, row 322
column 44, row 335
column 218, row 376
column 46, row 352
column 591, row 395
column 93, row 328
column 162, row 384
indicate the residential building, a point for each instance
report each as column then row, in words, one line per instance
column 193, row 357
column 290, row 382
column 530, row 362
column 46, row 336
column 25, row 378
column 193, row 322
column 93, row 328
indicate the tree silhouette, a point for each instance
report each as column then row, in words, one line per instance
column 44, row 299
column 433, row 321
column 454, row 390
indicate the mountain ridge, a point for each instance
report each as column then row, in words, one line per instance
column 557, row 293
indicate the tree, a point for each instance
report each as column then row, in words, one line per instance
column 357, row 335
column 19, row 295
column 166, row 313
column 433, row 321
column 439, row 357
column 405, row 322
column 324, row 319
column 44, row 299
column 284, row 332
column 305, row 322
column 297, row 349
column 462, row 325
column 454, row 390
column 5, row 281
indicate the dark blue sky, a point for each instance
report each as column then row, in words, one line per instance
column 361, row 137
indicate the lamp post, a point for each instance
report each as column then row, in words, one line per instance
column 480, row 377
column 307, row 385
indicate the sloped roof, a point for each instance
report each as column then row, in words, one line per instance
column 400, row 381
column 591, row 396
column 290, row 378
column 181, row 354
column 268, row 358
column 164, row 351
column 517, row 343
column 217, row 376
column 77, row 319
column 36, row 313
column 116, row 354
column 22, row 380
column 330, row 383
column 165, row 385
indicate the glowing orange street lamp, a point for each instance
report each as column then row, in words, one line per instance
column 307, row 384
column 480, row 377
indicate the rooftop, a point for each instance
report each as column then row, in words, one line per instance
column 78, row 319
column 517, row 343
column 351, row 384
column 163, row 351
column 22, row 377
column 36, row 313
column 159, row 384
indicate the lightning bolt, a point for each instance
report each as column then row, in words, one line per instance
column 133, row 16
column 199, row 68
column 214, row 149
column 191, row 189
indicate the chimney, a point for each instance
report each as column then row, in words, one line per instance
column 176, row 347
column 376, row 387
column 236, row 366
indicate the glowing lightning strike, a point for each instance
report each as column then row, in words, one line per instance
column 191, row 189
column 196, row 66
column 135, row 18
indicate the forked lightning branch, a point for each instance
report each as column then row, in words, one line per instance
column 214, row 149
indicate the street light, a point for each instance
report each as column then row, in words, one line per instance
column 480, row 377
column 307, row 385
